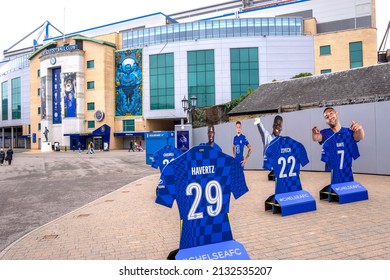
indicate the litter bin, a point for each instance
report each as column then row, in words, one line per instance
column 57, row 146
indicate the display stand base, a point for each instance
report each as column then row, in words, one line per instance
column 291, row 203
column 227, row 250
column 344, row 192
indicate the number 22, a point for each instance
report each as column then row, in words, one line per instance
column 290, row 160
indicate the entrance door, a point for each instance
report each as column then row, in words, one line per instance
column 98, row 142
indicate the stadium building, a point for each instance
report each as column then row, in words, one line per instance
column 111, row 84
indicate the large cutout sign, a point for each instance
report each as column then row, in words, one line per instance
column 164, row 156
column 338, row 152
column 202, row 181
column 285, row 156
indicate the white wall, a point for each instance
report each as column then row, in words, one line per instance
column 280, row 58
column 374, row 148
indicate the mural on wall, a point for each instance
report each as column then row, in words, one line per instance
column 56, row 95
column 70, row 95
column 128, row 83
column 43, row 98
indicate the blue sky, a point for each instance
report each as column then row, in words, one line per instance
column 83, row 14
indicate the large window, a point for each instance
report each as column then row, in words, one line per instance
column 201, row 77
column 355, row 54
column 198, row 30
column 244, row 70
column 4, row 101
column 128, row 125
column 16, row 98
column 162, row 82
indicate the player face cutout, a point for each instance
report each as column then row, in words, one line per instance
column 277, row 127
column 211, row 134
column 238, row 129
column 331, row 117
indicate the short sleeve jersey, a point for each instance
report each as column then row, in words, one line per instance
column 164, row 156
column 215, row 146
column 285, row 155
column 202, row 181
column 326, row 133
column 239, row 142
column 338, row 152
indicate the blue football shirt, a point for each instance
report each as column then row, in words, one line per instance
column 202, row 181
column 215, row 146
column 338, row 152
column 239, row 142
column 164, row 156
column 285, row 155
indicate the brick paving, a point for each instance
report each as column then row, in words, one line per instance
column 128, row 225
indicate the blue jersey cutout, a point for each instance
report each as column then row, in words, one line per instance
column 338, row 152
column 285, row 155
column 215, row 146
column 202, row 181
column 164, row 156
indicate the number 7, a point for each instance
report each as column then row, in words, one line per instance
column 341, row 152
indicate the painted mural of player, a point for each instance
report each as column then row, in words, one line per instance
column 43, row 98
column 128, row 82
column 70, row 95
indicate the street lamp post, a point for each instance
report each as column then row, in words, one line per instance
column 189, row 107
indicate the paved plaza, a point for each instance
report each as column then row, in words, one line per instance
column 126, row 224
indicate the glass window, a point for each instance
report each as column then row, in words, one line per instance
column 39, row 73
column 91, row 124
column 356, row 54
column 4, row 101
column 39, row 92
column 278, row 26
column 162, row 83
column 16, row 98
column 169, row 33
column 91, row 85
column 271, row 26
column 39, row 110
column 244, row 70
column 325, row 71
column 213, row 29
column 39, row 126
column 90, row 106
column 324, row 50
column 128, row 125
column 90, row 64
column 201, row 76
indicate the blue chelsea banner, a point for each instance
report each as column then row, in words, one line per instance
column 228, row 250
